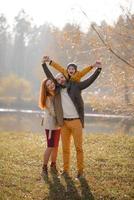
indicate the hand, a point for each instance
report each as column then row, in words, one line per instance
column 97, row 64
column 46, row 59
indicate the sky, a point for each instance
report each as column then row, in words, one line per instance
column 59, row 12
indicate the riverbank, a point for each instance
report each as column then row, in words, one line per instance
column 30, row 121
column 108, row 169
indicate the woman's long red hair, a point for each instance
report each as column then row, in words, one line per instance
column 44, row 93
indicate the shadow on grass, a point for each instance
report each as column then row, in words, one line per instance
column 57, row 190
column 68, row 190
column 85, row 190
column 71, row 190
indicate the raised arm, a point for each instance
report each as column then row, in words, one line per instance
column 89, row 68
column 84, row 71
column 57, row 66
column 86, row 83
column 54, row 64
column 47, row 72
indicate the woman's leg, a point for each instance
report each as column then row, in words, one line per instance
column 47, row 154
column 48, row 151
column 54, row 155
column 46, row 157
column 56, row 137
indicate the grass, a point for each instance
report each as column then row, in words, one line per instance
column 108, row 169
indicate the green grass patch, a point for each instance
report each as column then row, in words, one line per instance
column 108, row 169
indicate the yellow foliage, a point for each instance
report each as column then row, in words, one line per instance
column 13, row 86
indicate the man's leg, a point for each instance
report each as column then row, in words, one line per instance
column 77, row 136
column 66, row 139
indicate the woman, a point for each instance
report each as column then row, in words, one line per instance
column 47, row 92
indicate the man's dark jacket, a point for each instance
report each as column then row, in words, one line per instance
column 74, row 91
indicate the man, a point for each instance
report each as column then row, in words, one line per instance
column 69, row 110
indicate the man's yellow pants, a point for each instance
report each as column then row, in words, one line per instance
column 72, row 128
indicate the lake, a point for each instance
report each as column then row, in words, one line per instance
column 30, row 121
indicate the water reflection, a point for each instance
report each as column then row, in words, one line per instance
column 27, row 120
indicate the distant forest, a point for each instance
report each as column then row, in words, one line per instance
column 23, row 46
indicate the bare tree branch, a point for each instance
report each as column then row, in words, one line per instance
column 110, row 49
column 107, row 46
